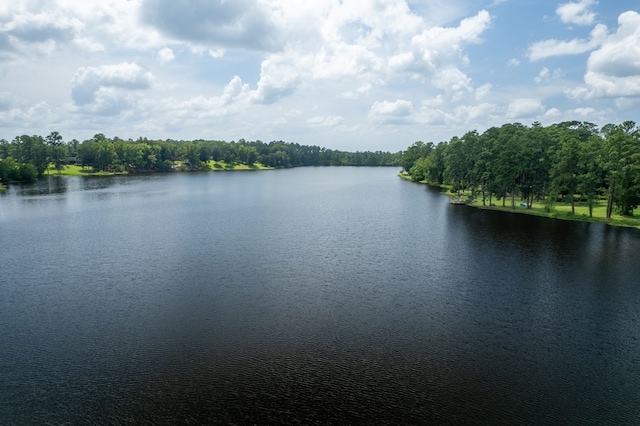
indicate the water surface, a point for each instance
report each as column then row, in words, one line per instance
column 311, row 295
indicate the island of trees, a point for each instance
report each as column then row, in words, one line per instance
column 513, row 166
column 26, row 158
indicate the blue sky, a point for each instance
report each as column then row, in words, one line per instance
column 349, row 74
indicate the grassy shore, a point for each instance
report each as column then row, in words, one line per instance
column 73, row 170
column 558, row 211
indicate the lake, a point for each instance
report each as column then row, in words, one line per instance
column 307, row 296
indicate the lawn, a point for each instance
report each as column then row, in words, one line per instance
column 563, row 211
column 73, row 170
column 558, row 211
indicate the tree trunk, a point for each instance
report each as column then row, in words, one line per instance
column 573, row 205
column 610, row 200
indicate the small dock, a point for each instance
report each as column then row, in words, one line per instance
column 457, row 201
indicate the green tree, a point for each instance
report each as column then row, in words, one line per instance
column 621, row 161
column 56, row 151
column 564, row 173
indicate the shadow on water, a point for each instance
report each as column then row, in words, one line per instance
column 310, row 296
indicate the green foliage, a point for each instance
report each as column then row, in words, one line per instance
column 101, row 154
column 565, row 162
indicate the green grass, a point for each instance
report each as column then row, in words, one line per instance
column 558, row 211
column 2, row 187
column 73, row 170
column 561, row 210
column 221, row 165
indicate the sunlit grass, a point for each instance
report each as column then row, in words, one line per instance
column 221, row 165
column 559, row 210
column 73, row 170
column 562, row 210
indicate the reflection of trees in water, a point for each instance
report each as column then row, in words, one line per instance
column 44, row 186
column 554, row 250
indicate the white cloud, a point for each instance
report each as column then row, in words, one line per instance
column 524, row 108
column 105, row 89
column 584, row 112
column 330, row 121
column 547, row 48
column 483, row 91
column 278, row 78
column 546, row 75
column 577, row 13
column 552, row 114
column 542, row 75
column 166, row 55
column 614, row 69
column 238, row 24
column 396, row 112
column 33, row 115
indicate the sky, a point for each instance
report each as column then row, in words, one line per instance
column 353, row 75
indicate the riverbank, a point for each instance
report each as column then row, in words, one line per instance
column 558, row 211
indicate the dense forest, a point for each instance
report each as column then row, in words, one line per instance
column 27, row 157
column 570, row 161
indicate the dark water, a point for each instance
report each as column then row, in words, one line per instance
column 312, row 296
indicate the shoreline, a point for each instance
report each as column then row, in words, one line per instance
column 561, row 211
column 74, row 170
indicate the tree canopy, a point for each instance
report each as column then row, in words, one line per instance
column 144, row 155
column 561, row 161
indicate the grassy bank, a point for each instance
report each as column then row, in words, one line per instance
column 558, row 211
column 73, row 170
column 221, row 166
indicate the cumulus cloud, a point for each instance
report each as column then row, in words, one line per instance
column 524, row 108
column 547, row 48
column 166, row 55
column 43, row 26
column 437, row 47
column 278, row 78
column 483, row 91
column 368, row 44
column 613, row 70
column 107, row 89
column 239, row 24
column 396, row 112
column 235, row 96
column 552, row 114
column 33, row 115
column 578, row 13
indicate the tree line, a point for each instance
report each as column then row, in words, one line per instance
column 570, row 161
column 27, row 157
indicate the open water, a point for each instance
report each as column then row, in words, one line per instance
column 308, row 296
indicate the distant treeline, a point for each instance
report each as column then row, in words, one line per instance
column 27, row 157
column 571, row 160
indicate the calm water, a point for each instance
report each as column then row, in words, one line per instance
column 313, row 296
